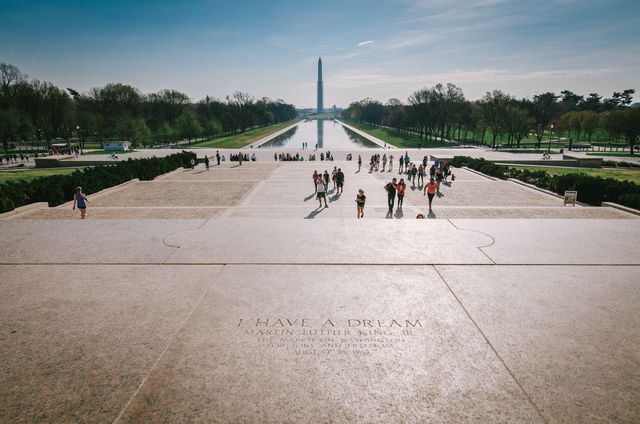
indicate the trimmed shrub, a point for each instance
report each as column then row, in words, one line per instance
column 57, row 189
column 591, row 190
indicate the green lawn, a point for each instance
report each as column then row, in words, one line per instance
column 32, row 174
column 243, row 139
column 632, row 175
column 396, row 139
column 540, row 151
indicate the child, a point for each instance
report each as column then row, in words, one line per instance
column 81, row 201
column 360, row 200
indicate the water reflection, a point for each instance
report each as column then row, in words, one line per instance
column 320, row 137
column 326, row 134
column 282, row 139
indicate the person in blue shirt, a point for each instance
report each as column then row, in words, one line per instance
column 80, row 200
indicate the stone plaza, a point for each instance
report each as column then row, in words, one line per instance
column 229, row 296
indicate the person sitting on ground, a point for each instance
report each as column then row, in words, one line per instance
column 420, row 216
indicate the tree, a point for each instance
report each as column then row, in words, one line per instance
column 494, row 112
column 626, row 122
column 589, row 122
column 592, row 103
column 10, row 79
column 518, row 122
column 188, row 125
column 544, row 109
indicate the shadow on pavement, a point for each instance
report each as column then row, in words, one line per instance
column 315, row 212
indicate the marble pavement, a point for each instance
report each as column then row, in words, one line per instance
column 247, row 312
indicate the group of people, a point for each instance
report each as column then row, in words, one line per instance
column 375, row 160
column 13, row 158
column 298, row 157
column 240, row 157
column 287, row 157
column 321, row 184
column 397, row 189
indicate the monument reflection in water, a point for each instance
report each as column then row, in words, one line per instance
column 326, row 133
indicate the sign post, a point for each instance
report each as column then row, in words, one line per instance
column 570, row 198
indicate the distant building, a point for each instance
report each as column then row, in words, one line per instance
column 116, row 146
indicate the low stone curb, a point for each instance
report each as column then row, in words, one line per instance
column 270, row 137
column 479, row 173
column 102, row 192
column 369, row 137
column 24, row 209
column 542, row 190
column 621, row 207
column 168, row 174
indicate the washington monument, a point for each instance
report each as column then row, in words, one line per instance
column 320, row 99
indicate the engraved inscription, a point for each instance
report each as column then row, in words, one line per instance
column 330, row 336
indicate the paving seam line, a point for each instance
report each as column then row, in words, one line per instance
column 504, row 364
column 175, row 248
column 386, row 264
column 169, row 343
column 480, row 248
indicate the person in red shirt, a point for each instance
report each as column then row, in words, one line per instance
column 430, row 190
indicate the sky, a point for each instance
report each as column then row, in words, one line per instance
column 380, row 49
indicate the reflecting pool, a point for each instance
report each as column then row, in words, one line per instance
column 327, row 134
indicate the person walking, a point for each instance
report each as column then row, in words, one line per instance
column 391, row 189
column 359, row 162
column 420, row 175
column 402, row 187
column 407, row 161
column 326, row 180
column 321, row 190
column 401, row 164
column 315, row 181
column 390, row 162
column 80, row 200
column 384, row 162
column 240, row 158
column 206, row 163
column 339, row 180
column 414, row 172
column 430, row 190
column 333, row 176
column 218, row 157
column 360, row 201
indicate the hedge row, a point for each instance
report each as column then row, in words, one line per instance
column 57, row 189
column 591, row 190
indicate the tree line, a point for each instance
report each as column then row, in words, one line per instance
column 33, row 110
column 442, row 112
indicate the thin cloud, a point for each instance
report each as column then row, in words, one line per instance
column 365, row 43
column 457, row 76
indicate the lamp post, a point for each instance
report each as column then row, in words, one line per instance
column 79, row 139
column 550, row 131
